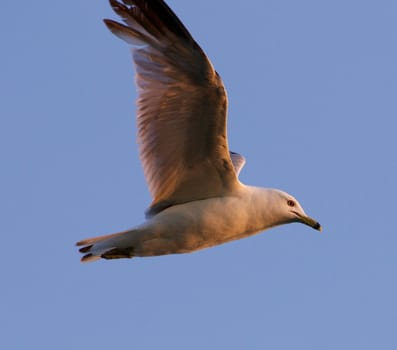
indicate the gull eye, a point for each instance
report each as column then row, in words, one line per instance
column 291, row 203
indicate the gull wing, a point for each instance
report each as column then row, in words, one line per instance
column 181, row 108
column 238, row 161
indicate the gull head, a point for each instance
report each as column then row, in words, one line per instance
column 288, row 209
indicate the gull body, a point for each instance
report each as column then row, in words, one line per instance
column 198, row 201
column 200, row 224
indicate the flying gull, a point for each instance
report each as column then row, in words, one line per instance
column 198, row 200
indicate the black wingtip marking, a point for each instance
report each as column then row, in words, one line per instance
column 85, row 249
column 86, row 257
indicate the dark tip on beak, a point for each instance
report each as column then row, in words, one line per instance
column 317, row 226
column 310, row 222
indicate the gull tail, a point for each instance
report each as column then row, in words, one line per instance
column 113, row 246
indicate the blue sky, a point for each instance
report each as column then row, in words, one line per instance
column 312, row 88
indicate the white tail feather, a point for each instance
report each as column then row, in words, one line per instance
column 111, row 246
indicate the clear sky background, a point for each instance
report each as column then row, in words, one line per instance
column 313, row 106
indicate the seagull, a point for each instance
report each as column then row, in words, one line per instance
column 198, row 200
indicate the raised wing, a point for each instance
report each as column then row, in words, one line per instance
column 238, row 162
column 182, row 107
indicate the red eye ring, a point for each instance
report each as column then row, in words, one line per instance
column 291, row 203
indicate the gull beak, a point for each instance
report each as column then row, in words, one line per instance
column 307, row 220
column 311, row 222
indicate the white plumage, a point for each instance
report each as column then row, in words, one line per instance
column 198, row 201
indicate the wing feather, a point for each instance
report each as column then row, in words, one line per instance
column 182, row 107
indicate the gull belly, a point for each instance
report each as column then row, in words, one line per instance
column 199, row 224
